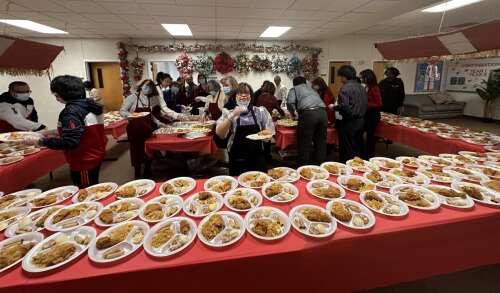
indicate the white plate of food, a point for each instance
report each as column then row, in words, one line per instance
column 136, row 188
column 287, row 122
column 261, row 135
column 170, row 236
column 280, row 192
column 337, row 169
column 382, row 179
column 325, row 189
column 385, row 163
column 450, row 135
column 311, row 172
column 438, row 175
column 13, row 250
column 33, row 222
column 416, row 196
column 312, row 221
column 96, row 192
column 10, row 160
column 355, row 183
column 493, row 148
column 436, row 161
column 457, row 159
column 53, row 197
column 493, row 185
column 58, row 250
column 19, row 198
column 161, row 208
column 73, row 216
column 487, row 171
column 283, row 174
column 221, row 184
column 267, row 223
column 493, row 156
column 452, row 197
column 28, row 151
column 361, row 165
column 243, row 199
column 467, row 173
column 384, row 203
column 479, row 157
column 178, row 186
column 203, row 203
column 13, row 215
column 138, row 114
column 221, row 229
column 118, row 242
column 253, row 179
column 409, row 176
column 478, row 193
column 18, row 136
column 351, row 214
column 119, row 211
column 482, row 141
column 411, row 162
column 492, row 164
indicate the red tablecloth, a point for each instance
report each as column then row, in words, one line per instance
column 427, row 142
column 116, row 129
column 395, row 250
column 172, row 143
column 286, row 136
column 17, row 176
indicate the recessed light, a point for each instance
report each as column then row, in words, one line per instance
column 177, row 29
column 33, row 26
column 449, row 5
column 274, row 31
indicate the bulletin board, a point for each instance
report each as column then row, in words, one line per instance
column 466, row 75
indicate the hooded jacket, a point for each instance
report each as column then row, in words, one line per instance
column 81, row 130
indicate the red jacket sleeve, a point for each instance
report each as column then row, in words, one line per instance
column 374, row 98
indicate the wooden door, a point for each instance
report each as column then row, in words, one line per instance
column 379, row 69
column 335, row 82
column 105, row 76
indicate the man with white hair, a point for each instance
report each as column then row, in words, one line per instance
column 281, row 92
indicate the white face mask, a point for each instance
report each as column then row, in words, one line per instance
column 244, row 104
column 23, row 97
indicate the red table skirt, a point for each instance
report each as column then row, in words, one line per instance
column 287, row 136
column 423, row 244
column 17, row 176
column 172, row 143
column 427, row 142
column 116, row 129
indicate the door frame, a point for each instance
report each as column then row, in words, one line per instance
column 378, row 60
column 150, row 69
column 86, row 64
column 337, row 60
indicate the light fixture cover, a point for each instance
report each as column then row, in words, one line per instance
column 449, row 5
column 32, row 26
column 177, row 29
column 274, row 31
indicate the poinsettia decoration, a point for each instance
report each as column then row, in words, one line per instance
column 260, row 63
column 184, row 64
column 138, row 68
column 280, row 64
column 242, row 63
column 309, row 66
column 224, row 63
column 293, row 66
column 122, row 55
column 204, row 64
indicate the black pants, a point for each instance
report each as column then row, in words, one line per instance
column 86, row 178
column 311, row 131
column 267, row 151
column 350, row 133
column 372, row 118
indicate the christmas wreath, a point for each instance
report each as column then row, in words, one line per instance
column 280, row 64
column 204, row 64
column 184, row 64
column 242, row 63
column 138, row 68
column 260, row 63
column 122, row 55
column 224, row 63
column 309, row 66
column 293, row 66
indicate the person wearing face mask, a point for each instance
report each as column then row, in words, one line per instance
column 372, row 116
column 229, row 85
column 17, row 109
column 167, row 93
column 81, row 131
column 215, row 100
column 319, row 85
column 245, row 119
column 200, row 94
column 189, row 88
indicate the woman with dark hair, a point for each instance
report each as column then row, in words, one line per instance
column 199, row 94
column 245, row 119
column 258, row 92
column 267, row 99
column 319, row 85
column 372, row 116
column 392, row 90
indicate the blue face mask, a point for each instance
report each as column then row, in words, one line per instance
column 226, row 89
column 147, row 90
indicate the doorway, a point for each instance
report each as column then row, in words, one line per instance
column 379, row 69
column 105, row 76
column 334, row 81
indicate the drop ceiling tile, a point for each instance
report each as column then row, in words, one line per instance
column 39, row 5
column 277, row 4
column 83, row 6
column 123, row 8
column 297, row 14
column 158, row 9
column 235, row 3
column 172, row 2
column 103, row 17
column 200, row 20
column 235, row 28
column 325, row 15
column 354, row 17
column 311, row 5
column 68, row 16
column 253, row 28
column 34, row 16
column 248, row 13
column 195, row 2
column 134, row 19
column 345, row 5
column 202, row 28
column 376, row 6
column 168, row 19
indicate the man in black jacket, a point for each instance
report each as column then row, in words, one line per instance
column 392, row 90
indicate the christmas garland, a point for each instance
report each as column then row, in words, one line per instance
column 224, row 63
column 260, row 64
column 242, row 63
column 204, row 64
column 293, row 66
column 184, row 64
column 122, row 55
column 280, row 64
column 138, row 68
column 309, row 66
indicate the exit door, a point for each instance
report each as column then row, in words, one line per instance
column 335, row 82
column 105, row 76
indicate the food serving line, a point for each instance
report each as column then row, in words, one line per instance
column 385, row 250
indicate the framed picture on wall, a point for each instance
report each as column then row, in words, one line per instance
column 428, row 77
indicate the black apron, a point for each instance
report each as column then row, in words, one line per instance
column 246, row 154
column 138, row 131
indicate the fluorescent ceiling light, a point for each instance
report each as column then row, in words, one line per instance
column 178, row 29
column 32, row 26
column 274, row 31
column 449, row 5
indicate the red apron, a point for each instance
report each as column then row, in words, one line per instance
column 138, row 131
column 213, row 109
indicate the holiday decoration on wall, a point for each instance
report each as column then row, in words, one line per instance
column 309, row 66
column 124, row 76
column 293, row 69
column 138, row 68
column 224, row 63
column 260, row 64
column 242, row 63
column 184, row 64
column 204, row 64
column 279, row 64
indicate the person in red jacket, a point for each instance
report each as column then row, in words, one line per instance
column 267, row 99
column 372, row 116
column 319, row 85
column 81, row 131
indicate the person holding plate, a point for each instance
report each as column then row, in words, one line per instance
column 244, row 120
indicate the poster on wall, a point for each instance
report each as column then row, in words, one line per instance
column 428, row 77
column 467, row 75
column 165, row 67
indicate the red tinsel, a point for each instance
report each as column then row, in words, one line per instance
column 223, row 63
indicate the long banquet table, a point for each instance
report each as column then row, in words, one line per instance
column 287, row 136
column 116, row 129
column 422, row 244
column 161, row 142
